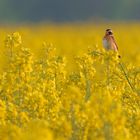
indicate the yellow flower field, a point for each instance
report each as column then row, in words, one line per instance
column 58, row 83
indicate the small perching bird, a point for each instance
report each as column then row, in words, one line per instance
column 109, row 42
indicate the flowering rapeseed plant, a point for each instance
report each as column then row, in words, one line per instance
column 40, row 98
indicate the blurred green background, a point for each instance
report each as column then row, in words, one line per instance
column 68, row 10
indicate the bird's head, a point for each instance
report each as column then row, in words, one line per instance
column 109, row 32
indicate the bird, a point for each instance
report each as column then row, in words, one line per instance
column 109, row 42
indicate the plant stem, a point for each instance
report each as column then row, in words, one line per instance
column 125, row 74
column 108, row 73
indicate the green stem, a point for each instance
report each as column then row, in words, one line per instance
column 88, row 86
column 108, row 73
column 126, row 76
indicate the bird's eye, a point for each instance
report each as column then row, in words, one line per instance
column 110, row 33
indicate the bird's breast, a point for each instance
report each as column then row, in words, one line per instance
column 106, row 44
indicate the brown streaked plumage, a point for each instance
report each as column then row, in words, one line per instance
column 109, row 42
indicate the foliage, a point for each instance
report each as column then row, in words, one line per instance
column 41, row 99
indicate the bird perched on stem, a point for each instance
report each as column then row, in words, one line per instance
column 109, row 42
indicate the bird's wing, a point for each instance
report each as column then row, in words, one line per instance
column 113, row 39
